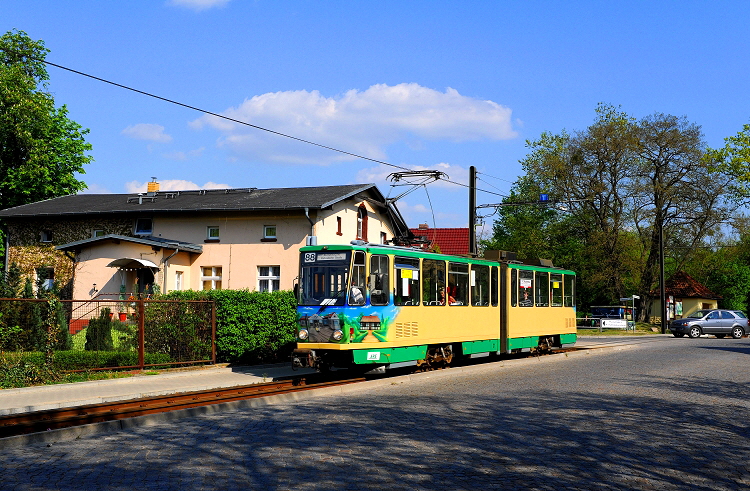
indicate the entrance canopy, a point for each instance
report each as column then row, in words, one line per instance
column 131, row 264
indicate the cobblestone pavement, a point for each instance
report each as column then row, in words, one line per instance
column 669, row 415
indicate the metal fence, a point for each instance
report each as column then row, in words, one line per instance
column 106, row 334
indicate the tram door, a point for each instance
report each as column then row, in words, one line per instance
column 507, row 288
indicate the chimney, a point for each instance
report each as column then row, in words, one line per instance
column 423, row 226
column 153, row 186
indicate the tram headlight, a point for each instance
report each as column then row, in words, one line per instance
column 337, row 335
column 302, row 334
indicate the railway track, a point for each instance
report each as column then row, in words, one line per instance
column 51, row 419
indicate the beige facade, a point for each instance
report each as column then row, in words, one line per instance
column 255, row 250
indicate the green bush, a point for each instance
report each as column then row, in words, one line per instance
column 251, row 327
column 24, row 369
column 83, row 360
column 99, row 333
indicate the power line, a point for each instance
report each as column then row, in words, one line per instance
column 245, row 123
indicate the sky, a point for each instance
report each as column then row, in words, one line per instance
column 419, row 85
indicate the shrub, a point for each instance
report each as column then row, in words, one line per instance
column 99, row 333
column 250, row 326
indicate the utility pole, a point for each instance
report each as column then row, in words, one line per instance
column 662, row 291
column 472, row 211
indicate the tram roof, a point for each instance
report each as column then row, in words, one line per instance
column 415, row 252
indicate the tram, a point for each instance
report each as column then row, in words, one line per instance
column 373, row 305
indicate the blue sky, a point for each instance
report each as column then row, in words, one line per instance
column 418, row 84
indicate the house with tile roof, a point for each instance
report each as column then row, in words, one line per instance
column 453, row 241
column 99, row 245
column 685, row 295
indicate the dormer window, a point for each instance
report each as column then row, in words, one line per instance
column 144, row 226
column 45, row 236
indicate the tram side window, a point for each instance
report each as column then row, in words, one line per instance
column 513, row 288
column 433, row 282
column 378, row 283
column 525, row 288
column 542, row 289
column 556, row 285
column 480, row 285
column 407, row 281
column 357, row 290
column 569, row 289
column 458, row 284
column 493, row 286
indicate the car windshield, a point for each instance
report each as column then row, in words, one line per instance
column 699, row 314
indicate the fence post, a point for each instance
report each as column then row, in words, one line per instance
column 213, row 332
column 141, row 334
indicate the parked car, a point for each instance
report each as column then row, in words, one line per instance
column 715, row 321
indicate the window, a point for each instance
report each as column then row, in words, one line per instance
column 383, row 238
column 513, row 288
column 211, row 277
column 362, row 223
column 269, row 233
column 45, row 236
column 338, row 226
column 480, row 285
column 569, row 287
column 556, row 285
column 493, row 286
column 458, row 284
column 212, row 234
column 525, row 288
column 407, row 281
column 45, row 278
column 178, row 280
column 269, row 278
column 97, row 233
column 357, row 291
column 541, row 296
column 379, row 280
column 433, row 282
column 144, row 226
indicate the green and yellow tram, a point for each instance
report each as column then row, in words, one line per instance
column 374, row 305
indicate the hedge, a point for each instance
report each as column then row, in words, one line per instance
column 251, row 327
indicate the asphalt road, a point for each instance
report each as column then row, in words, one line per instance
column 662, row 414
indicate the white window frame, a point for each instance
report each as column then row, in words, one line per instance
column 266, row 282
column 267, row 231
column 47, row 283
column 178, row 280
column 214, row 277
column 210, row 229
column 136, row 229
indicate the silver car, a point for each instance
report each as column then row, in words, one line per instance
column 715, row 321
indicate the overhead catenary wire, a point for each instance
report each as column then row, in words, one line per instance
column 245, row 123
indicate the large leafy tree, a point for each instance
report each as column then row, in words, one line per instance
column 621, row 180
column 41, row 149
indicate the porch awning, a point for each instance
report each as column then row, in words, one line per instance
column 129, row 264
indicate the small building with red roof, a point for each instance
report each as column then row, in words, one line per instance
column 685, row 295
column 453, row 241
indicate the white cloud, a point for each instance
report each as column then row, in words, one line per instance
column 361, row 122
column 146, row 131
column 172, row 185
column 198, row 5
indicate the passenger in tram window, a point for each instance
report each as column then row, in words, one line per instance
column 526, row 300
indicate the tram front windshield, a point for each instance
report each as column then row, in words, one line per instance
column 323, row 277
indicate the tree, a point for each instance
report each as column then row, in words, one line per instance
column 621, row 180
column 41, row 149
